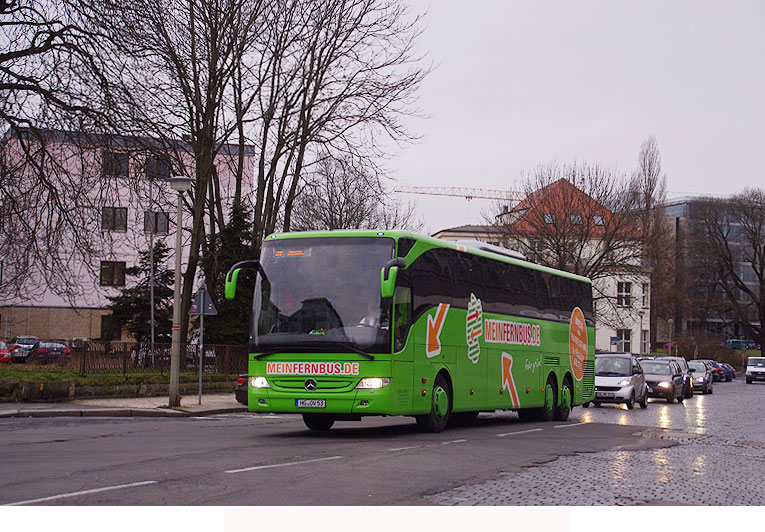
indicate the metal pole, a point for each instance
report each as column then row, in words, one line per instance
column 151, row 266
column 175, row 354
column 201, row 347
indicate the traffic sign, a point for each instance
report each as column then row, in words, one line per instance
column 203, row 304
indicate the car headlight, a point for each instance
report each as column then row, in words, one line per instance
column 665, row 384
column 699, row 379
column 749, row 372
column 372, row 383
column 259, row 382
column 625, row 382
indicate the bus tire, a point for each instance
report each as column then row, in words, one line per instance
column 318, row 421
column 547, row 412
column 440, row 407
column 563, row 409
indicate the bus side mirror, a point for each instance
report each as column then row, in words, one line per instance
column 388, row 275
column 233, row 275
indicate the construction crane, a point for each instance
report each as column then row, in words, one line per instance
column 467, row 193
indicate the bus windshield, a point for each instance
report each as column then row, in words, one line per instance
column 322, row 294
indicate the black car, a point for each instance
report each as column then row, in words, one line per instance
column 687, row 377
column 664, row 379
column 49, row 352
column 240, row 392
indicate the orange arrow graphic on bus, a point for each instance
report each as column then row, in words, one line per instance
column 433, row 347
column 507, row 379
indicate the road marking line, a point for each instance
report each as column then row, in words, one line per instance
column 572, row 425
column 518, row 432
column 406, row 448
column 452, row 441
column 83, row 492
column 270, row 466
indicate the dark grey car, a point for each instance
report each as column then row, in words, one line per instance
column 664, row 379
column 702, row 376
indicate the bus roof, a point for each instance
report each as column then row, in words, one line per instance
column 432, row 242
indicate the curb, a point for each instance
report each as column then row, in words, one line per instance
column 121, row 412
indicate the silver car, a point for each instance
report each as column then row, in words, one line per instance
column 619, row 378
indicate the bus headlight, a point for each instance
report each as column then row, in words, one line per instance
column 259, row 382
column 372, row 383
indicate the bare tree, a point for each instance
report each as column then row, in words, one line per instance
column 45, row 218
column 343, row 195
column 731, row 234
column 578, row 218
column 648, row 191
column 335, row 76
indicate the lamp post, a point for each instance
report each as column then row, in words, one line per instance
column 180, row 184
column 670, row 321
column 642, row 313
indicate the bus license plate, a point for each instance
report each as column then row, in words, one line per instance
column 310, row 403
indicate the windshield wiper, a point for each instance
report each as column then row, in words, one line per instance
column 308, row 349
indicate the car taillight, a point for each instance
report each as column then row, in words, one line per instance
column 67, row 352
column 240, row 381
column 42, row 351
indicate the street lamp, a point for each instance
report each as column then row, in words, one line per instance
column 642, row 313
column 180, row 184
column 670, row 321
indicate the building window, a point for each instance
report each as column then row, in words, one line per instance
column 598, row 220
column 156, row 221
column 623, row 294
column 625, row 340
column 157, row 167
column 114, row 164
column 112, row 273
column 645, row 295
column 114, row 219
column 576, row 219
column 549, row 218
column 644, row 347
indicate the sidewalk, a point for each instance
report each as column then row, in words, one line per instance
column 126, row 407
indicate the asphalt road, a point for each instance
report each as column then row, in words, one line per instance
column 243, row 459
column 703, row 451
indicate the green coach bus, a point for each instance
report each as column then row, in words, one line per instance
column 348, row 324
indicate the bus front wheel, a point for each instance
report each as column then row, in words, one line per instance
column 440, row 407
column 318, row 421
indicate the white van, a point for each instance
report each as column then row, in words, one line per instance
column 755, row 369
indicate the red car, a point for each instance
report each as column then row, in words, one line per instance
column 5, row 353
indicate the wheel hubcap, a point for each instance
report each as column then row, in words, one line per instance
column 549, row 394
column 440, row 402
column 565, row 400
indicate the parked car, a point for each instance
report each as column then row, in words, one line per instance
column 5, row 353
column 740, row 344
column 21, row 346
column 702, row 376
column 664, row 379
column 717, row 372
column 687, row 376
column 728, row 370
column 240, row 392
column 755, row 369
column 619, row 378
column 48, row 352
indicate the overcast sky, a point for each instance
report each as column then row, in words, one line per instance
column 519, row 83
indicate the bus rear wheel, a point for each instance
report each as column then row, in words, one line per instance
column 318, row 421
column 563, row 409
column 440, row 407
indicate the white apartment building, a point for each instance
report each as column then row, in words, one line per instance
column 129, row 205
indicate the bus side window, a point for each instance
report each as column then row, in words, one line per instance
column 402, row 315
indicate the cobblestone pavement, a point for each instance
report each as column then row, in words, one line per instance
column 718, row 459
